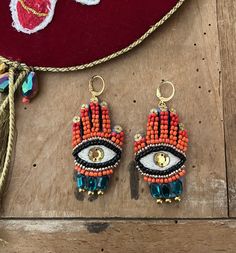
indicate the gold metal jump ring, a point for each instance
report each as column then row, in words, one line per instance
column 159, row 96
column 91, row 88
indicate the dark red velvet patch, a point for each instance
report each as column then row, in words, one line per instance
column 80, row 34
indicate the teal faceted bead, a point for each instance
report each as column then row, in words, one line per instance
column 102, row 182
column 29, row 87
column 155, row 190
column 91, row 184
column 81, row 181
column 177, row 188
column 166, row 191
column 28, row 84
column 4, row 82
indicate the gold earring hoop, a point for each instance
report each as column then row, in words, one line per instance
column 92, row 90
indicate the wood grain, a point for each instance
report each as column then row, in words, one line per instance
column 186, row 51
column 227, row 34
column 117, row 236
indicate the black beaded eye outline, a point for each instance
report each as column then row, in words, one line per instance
column 155, row 148
column 101, row 165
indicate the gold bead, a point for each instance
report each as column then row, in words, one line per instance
column 100, row 192
column 173, row 110
column 178, row 199
column 161, row 159
column 96, row 154
column 94, row 99
column 3, row 68
column 153, row 111
column 137, row 137
column 76, row 119
column 181, row 126
column 81, row 190
column 159, row 201
column 168, row 200
column 84, row 106
column 104, row 104
column 90, row 193
column 118, row 129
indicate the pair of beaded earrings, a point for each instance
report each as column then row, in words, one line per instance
column 159, row 156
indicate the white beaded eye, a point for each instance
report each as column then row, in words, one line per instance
column 160, row 160
column 96, row 154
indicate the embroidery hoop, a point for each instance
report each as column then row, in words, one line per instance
column 24, row 66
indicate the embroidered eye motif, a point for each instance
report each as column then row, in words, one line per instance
column 160, row 155
column 97, row 154
column 160, row 160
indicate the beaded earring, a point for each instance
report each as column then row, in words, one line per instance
column 160, row 155
column 96, row 147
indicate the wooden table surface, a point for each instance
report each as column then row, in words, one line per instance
column 196, row 50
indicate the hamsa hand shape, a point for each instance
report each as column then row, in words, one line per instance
column 160, row 155
column 96, row 147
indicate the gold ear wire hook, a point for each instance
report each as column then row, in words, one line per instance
column 94, row 93
column 163, row 100
column 158, row 93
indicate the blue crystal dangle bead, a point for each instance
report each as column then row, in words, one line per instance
column 29, row 87
column 4, row 78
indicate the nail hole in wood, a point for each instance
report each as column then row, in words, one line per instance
column 176, row 222
column 25, row 108
column 203, row 58
column 209, row 24
column 209, row 91
column 134, row 101
column 199, row 122
column 205, row 33
column 34, row 165
column 197, row 70
column 195, row 44
column 102, row 250
column 193, row 166
column 199, row 87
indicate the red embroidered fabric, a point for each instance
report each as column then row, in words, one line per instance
column 29, row 20
column 80, row 34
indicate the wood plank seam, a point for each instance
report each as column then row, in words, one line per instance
column 224, row 26
column 222, row 95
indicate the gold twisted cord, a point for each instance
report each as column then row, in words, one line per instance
column 29, row 9
column 107, row 58
column 10, row 99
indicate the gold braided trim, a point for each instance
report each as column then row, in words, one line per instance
column 29, row 9
column 11, row 101
column 102, row 60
